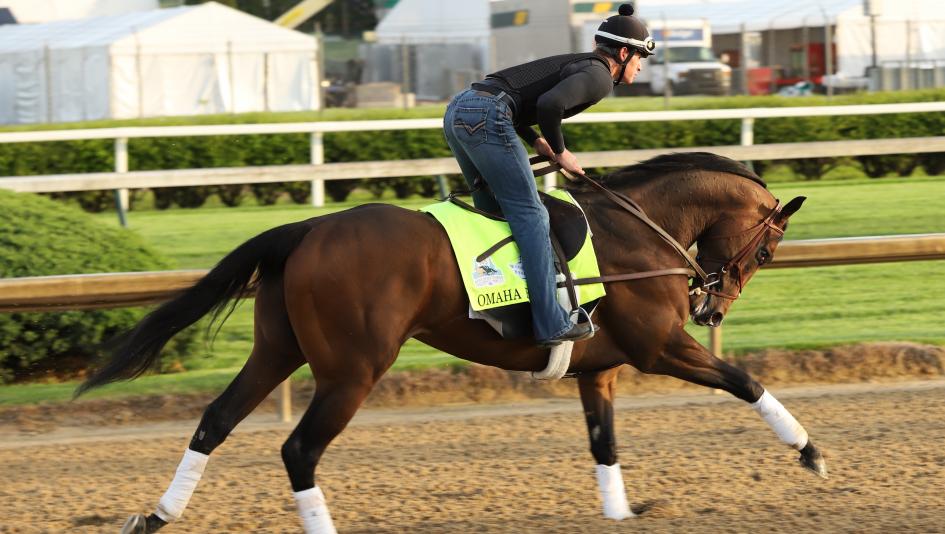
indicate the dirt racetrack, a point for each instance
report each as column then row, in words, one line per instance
column 692, row 461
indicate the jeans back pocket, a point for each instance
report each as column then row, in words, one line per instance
column 469, row 125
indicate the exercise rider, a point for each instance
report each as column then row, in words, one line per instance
column 481, row 124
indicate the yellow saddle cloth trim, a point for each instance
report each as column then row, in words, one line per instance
column 499, row 280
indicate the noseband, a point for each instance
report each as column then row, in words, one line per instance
column 735, row 265
column 705, row 280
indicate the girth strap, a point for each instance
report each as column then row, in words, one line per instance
column 491, row 250
column 632, row 276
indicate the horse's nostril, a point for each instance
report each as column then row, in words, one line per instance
column 716, row 319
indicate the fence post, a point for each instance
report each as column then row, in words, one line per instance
column 285, row 400
column 317, row 157
column 748, row 135
column 443, row 185
column 715, row 341
column 121, row 166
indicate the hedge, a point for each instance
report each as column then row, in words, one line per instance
column 42, row 237
column 232, row 151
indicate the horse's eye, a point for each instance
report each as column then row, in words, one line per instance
column 763, row 256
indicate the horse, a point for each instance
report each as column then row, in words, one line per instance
column 343, row 292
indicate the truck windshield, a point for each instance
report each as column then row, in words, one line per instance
column 684, row 54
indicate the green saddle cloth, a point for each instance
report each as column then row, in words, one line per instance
column 499, row 280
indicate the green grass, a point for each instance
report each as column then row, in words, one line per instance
column 793, row 308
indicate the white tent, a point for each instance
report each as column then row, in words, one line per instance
column 906, row 29
column 33, row 11
column 439, row 47
column 435, row 21
column 181, row 61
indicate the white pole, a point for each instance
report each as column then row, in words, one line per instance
column 47, row 71
column 748, row 135
column 748, row 131
column 230, row 77
column 551, row 181
column 317, row 156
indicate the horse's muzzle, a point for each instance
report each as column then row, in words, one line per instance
column 708, row 318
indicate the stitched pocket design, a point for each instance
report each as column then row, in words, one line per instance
column 470, row 124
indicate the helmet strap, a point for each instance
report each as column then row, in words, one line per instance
column 623, row 67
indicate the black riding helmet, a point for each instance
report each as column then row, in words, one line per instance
column 625, row 30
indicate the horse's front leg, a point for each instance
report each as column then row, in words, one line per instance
column 686, row 359
column 597, row 396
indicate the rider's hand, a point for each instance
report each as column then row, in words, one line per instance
column 543, row 148
column 569, row 163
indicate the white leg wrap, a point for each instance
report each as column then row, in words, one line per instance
column 781, row 421
column 175, row 499
column 612, row 492
column 314, row 511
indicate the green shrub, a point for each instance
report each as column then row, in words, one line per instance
column 231, row 195
column 42, row 237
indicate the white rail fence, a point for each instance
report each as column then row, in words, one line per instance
column 317, row 171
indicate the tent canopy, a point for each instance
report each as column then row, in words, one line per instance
column 435, row 21
column 181, row 61
column 727, row 16
column 35, row 11
column 208, row 27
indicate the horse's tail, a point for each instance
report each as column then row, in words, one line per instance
column 138, row 350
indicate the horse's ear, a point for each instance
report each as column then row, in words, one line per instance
column 791, row 207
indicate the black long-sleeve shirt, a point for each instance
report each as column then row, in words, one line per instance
column 551, row 89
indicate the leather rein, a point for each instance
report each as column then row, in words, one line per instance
column 695, row 271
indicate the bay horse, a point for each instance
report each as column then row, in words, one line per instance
column 343, row 292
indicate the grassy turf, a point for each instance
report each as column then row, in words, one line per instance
column 795, row 308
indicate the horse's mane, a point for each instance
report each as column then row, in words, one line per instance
column 671, row 164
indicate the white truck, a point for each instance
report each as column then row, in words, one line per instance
column 693, row 67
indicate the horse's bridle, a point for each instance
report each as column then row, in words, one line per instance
column 695, row 271
column 734, row 265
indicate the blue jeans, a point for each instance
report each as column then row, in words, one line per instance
column 480, row 133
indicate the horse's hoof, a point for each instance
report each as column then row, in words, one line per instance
column 136, row 524
column 812, row 459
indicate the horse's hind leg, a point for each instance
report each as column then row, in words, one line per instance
column 275, row 355
column 335, row 402
column 688, row 360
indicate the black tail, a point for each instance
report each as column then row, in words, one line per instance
column 137, row 350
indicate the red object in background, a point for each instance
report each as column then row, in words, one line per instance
column 759, row 80
column 816, row 59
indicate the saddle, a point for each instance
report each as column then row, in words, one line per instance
column 567, row 221
column 569, row 231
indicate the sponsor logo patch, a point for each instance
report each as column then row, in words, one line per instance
column 487, row 274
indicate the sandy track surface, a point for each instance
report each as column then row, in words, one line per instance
column 693, row 462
